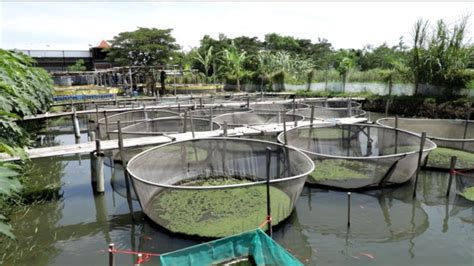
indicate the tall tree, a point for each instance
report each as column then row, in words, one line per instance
column 143, row 47
column 234, row 62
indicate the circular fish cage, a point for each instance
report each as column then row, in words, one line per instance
column 167, row 125
column 216, row 111
column 252, row 119
column 452, row 136
column 214, row 187
column 353, row 156
column 109, row 124
column 324, row 113
column 278, row 107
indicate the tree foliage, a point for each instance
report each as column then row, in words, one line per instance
column 143, row 47
column 78, row 66
column 24, row 90
column 439, row 55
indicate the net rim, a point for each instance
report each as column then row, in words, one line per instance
column 433, row 144
column 272, row 181
column 429, row 119
column 218, row 125
column 102, row 120
column 259, row 113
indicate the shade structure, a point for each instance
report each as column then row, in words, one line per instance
column 109, row 124
column 216, row 187
column 253, row 247
column 255, row 118
column 454, row 137
column 350, row 156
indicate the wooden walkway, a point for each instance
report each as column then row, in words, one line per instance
column 165, row 106
column 157, row 140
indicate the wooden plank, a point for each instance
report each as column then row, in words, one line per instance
column 157, row 140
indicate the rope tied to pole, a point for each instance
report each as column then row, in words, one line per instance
column 267, row 220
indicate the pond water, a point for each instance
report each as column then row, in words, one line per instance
column 388, row 226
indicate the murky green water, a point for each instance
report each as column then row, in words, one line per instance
column 388, row 227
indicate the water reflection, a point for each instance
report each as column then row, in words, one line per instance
column 374, row 217
column 387, row 226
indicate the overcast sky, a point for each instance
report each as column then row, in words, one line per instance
column 345, row 25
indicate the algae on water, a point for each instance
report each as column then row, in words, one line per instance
column 217, row 212
column 441, row 158
column 468, row 193
column 339, row 169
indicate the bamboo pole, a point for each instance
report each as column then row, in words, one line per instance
column 420, row 154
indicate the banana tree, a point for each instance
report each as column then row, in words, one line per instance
column 234, row 63
column 206, row 60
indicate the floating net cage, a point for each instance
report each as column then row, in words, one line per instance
column 465, row 184
column 216, row 111
column 352, row 156
column 214, row 187
column 453, row 138
column 109, row 124
column 253, row 119
column 278, row 107
column 323, row 113
column 167, row 125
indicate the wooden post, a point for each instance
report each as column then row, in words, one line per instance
column 96, row 116
column 387, row 106
column 248, row 102
column 185, row 120
column 467, row 125
column 396, row 134
column 284, row 129
column 179, row 108
column 348, row 209
column 451, row 174
column 192, row 124
column 312, row 115
column 97, row 168
column 269, row 210
column 75, row 124
column 145, row 113
column 120, row 144
column 106, row 125
column 111, row 254
column 211, row 123
column 225, row 128
column 200, row 102
column 294, row 112
column 349, row 106
column 422, row 145
column 92, row 136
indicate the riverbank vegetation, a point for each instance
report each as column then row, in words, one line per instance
column 24, row 90
column 437, row 54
